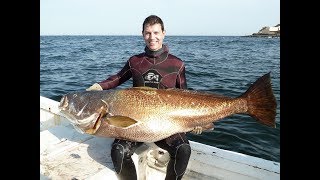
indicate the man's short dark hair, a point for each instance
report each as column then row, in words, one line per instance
column 151, row 20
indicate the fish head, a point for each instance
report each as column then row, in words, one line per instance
column 84, row 110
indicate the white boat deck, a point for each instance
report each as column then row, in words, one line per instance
column 67, row 154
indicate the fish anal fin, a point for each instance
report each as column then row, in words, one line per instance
column 120, row 121
column 209, row 127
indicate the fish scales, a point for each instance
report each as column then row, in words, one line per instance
column 148, row 115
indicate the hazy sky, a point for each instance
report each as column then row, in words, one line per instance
column 181, row 17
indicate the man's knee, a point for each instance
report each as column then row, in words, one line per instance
column 117, row 156
column 121, row 153
column 183, row 152
column 182, row 158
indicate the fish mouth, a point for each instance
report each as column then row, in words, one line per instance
column 89, row 124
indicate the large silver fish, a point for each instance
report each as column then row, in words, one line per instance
column 148, row 115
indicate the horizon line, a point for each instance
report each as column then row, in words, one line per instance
column 127, row 35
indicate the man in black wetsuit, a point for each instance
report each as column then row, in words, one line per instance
column 156, row 68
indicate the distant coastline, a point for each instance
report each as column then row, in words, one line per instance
column 267, row 32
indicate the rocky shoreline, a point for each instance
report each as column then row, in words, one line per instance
column 268, row 32
column 264, row 35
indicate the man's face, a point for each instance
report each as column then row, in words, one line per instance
column 153, row 36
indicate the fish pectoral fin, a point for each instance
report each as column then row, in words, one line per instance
column 120, row 121
column 208, row 128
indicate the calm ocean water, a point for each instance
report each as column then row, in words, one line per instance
column 224, row 65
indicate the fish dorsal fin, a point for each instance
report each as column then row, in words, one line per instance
column 120, row 121
column 145, row 88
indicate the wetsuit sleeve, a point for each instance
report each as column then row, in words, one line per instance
column 181, row 79
column 115, row 80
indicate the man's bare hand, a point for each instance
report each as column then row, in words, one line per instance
column 199, row 129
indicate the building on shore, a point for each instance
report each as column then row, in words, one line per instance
column 266, row 31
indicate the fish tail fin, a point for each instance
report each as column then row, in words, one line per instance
column 261, row 101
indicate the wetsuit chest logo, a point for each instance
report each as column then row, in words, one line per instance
column 152, row 78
